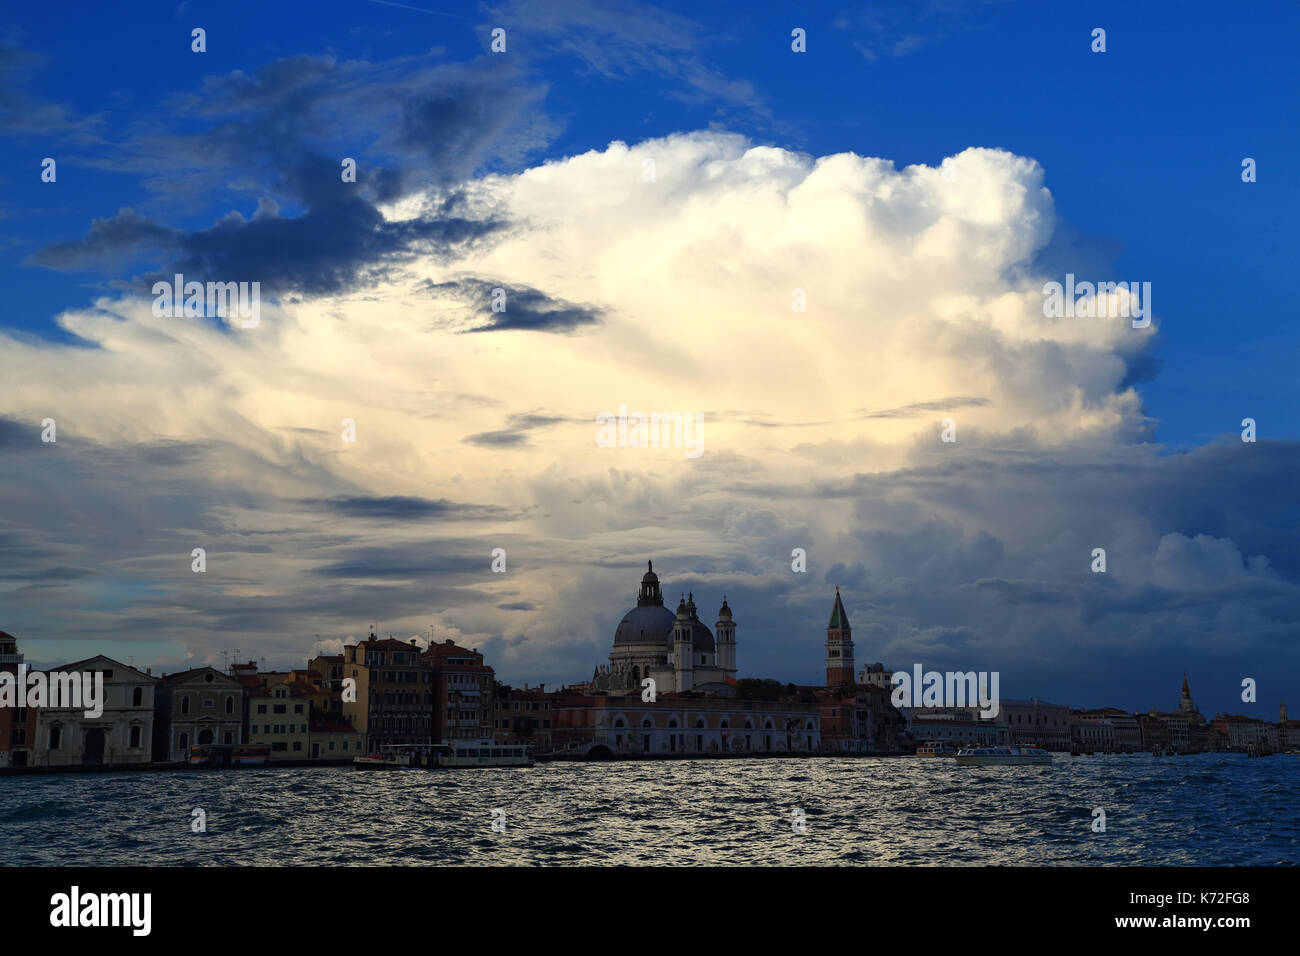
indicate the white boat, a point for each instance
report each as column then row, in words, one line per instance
column 468, row 753
column 464, row 753
column 997, row 756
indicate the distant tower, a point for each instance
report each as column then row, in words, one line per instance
column 1185, row 704
column 684, row 646
column 1281, row 714
column 724, row 633
column 839, row 646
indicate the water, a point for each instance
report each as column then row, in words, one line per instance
column 1198, row 810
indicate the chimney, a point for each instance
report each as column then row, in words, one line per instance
column 148, row 672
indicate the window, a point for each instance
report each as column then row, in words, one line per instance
column 297, row 745
column 229, row 738
column 280, row 709
column 297, row 708
column 230, row 705
column 261, row 708
column 185, row 704
column 135, row 737
column 137, row 697
column 208, row 701
column 56, row 737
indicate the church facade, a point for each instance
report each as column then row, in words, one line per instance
column 675, row 650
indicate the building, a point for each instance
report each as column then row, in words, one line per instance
column 1092, row 732
column 329, row 669
column 333, row 740
column 839, row 647
column 857, row 715
column 461, row 703
column 18, row 723
column 195, row 708
column 677, row 651
column 122, row 734
column 1244, row 733
column 523, row 717
column 394, row 693
column 280, row 717
column 606, row 726
column 1036, row 723
column 954, row 726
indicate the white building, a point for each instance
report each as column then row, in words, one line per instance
column 122, row 734
column 677, row 651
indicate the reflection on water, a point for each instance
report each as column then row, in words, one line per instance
column 1200, row 810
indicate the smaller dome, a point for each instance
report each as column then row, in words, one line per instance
column 724, row 613
column 683, row 610
column 650, row 577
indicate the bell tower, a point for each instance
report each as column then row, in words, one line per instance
column 839, row 646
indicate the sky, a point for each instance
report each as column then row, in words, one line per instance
column 824, row 254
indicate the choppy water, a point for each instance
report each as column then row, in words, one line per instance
column 1200, row 810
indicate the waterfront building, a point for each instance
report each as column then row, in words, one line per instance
column 17, row 724
column 605, row 726
column 463, row 688
column 1242, row 733
column 955, row 726
column 677, row 651
column 523, row 717
column 394, row 693
column 195, row 708
column 333, row 740
column 1091, row 732
column 122, row 734
column 1036, row 723
column 280, row 717
column 329, row 671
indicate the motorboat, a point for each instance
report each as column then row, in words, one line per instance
column 998, row 756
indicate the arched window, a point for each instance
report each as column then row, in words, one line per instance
column 749, row 724
column 672, row 724
column 230, row 705
column 647, row 722
column 137, row 697
column 184, row 744
column 699, row 723
column 185, row 704
column 619, row 722
column 768, row 725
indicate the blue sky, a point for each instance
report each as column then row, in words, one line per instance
column 1140, row 147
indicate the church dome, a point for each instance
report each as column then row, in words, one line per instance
column 647, row 624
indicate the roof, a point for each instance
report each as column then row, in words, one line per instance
column 839, row 616
column 181, row 677
column 81, row 665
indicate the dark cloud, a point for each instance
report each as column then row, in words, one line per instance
column 278, row 137
column 402, row 508
column 526, row 308
column 515, row 434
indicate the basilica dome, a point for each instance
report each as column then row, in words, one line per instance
column 647, row 624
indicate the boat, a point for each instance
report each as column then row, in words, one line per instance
column 935, row 748
column 997, row 756
column 389, row 757
column 464, row 753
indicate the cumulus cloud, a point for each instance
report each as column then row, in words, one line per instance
column 924, row 302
